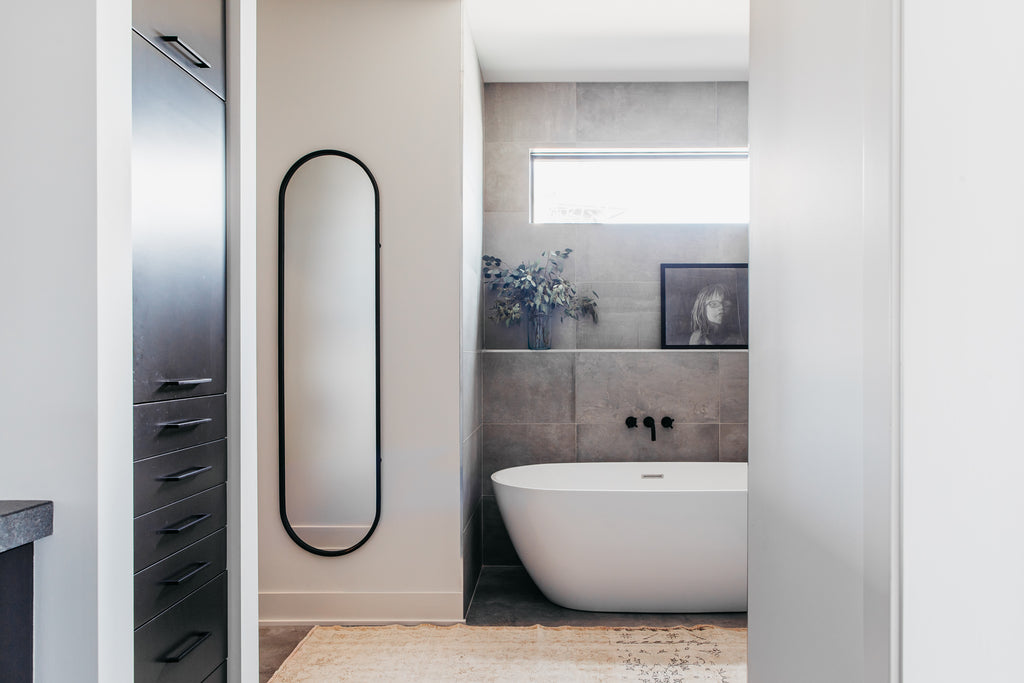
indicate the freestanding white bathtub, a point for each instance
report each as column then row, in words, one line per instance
column 631, row 537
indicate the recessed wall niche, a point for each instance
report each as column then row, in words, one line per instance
column 570, row 403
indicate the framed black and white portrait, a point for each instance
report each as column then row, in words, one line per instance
column 704, row 305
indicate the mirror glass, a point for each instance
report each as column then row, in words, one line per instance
column 328, row 358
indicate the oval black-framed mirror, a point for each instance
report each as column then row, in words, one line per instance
column 329, row 352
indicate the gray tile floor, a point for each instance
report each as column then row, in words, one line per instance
column 276, row 643
column 506, row 596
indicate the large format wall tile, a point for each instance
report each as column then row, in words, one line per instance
column 506, row 176
column 681, row 114
column 649, row 328
column 511, row 445
column 634, row 253
column 611, row 386
column 530, row 112
column 497, row 546
column 511, row 237
column 471, row 557
column 732, row 114
column 629, row 316
column 617, row 443
column 733, row 243
column 733, row 368
column 472, row 461
column 530, row 386
column 618, row 329
column 733, row 446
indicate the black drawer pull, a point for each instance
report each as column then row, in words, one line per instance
column 185, row 474
column 189, row 382
column 192, row 54
column 185, row 524
column 185, row 574
column 185, row 424
column 200, row 638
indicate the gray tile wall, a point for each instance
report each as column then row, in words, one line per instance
column 619, row 262
column 570, row 404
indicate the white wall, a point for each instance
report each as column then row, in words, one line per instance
column 823, row 341
column 380, row 80
column 65, row 270
column 963, row 359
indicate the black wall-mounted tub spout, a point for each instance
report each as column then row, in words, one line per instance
column 649, row 422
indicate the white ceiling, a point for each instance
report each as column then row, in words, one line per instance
column 610, row 40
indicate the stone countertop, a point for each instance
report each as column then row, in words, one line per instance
column 24, row 521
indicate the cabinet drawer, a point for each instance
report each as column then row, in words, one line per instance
column 173, row 578
column 218, row 676
column 172, row 425
column 198, row 26
column 165, row 479
column 187, row 642
column 169, row 529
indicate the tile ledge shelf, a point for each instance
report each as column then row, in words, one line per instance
column 614, row 351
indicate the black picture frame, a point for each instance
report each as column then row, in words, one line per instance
column 685, row 324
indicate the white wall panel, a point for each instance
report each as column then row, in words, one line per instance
column 65, row 270
column 380, row 80
column 963, row 341
column 822, row 360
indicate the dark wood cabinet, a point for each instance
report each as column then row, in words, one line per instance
column 164, row 479
column 218, row 676
column 189, row 32
column 178, row 223
column 168, row 529
column 173, row 578
column 186, row 642
column 179, row 334
column 16, row 634
column 170, row 425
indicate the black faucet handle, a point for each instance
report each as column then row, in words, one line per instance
column 649, row 423
column 631, row 422
column 666, row 422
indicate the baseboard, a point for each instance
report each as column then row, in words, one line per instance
column 350, row 609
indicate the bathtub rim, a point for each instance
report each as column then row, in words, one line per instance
column 641, row 465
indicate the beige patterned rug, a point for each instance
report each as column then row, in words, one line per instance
column 484, row 654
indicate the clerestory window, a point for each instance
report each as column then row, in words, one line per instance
column 639, row 186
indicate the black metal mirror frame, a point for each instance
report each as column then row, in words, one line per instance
column 280, row 352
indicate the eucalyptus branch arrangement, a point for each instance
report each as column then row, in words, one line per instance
column 535, row 288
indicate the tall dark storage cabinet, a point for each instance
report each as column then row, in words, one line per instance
column 178, row 242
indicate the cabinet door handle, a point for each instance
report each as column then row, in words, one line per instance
column 183, row 424
column 199, row 639
column 185, row 574
column 185, row 474
column 185, row 524
column 196, row 58
column 188, row 381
